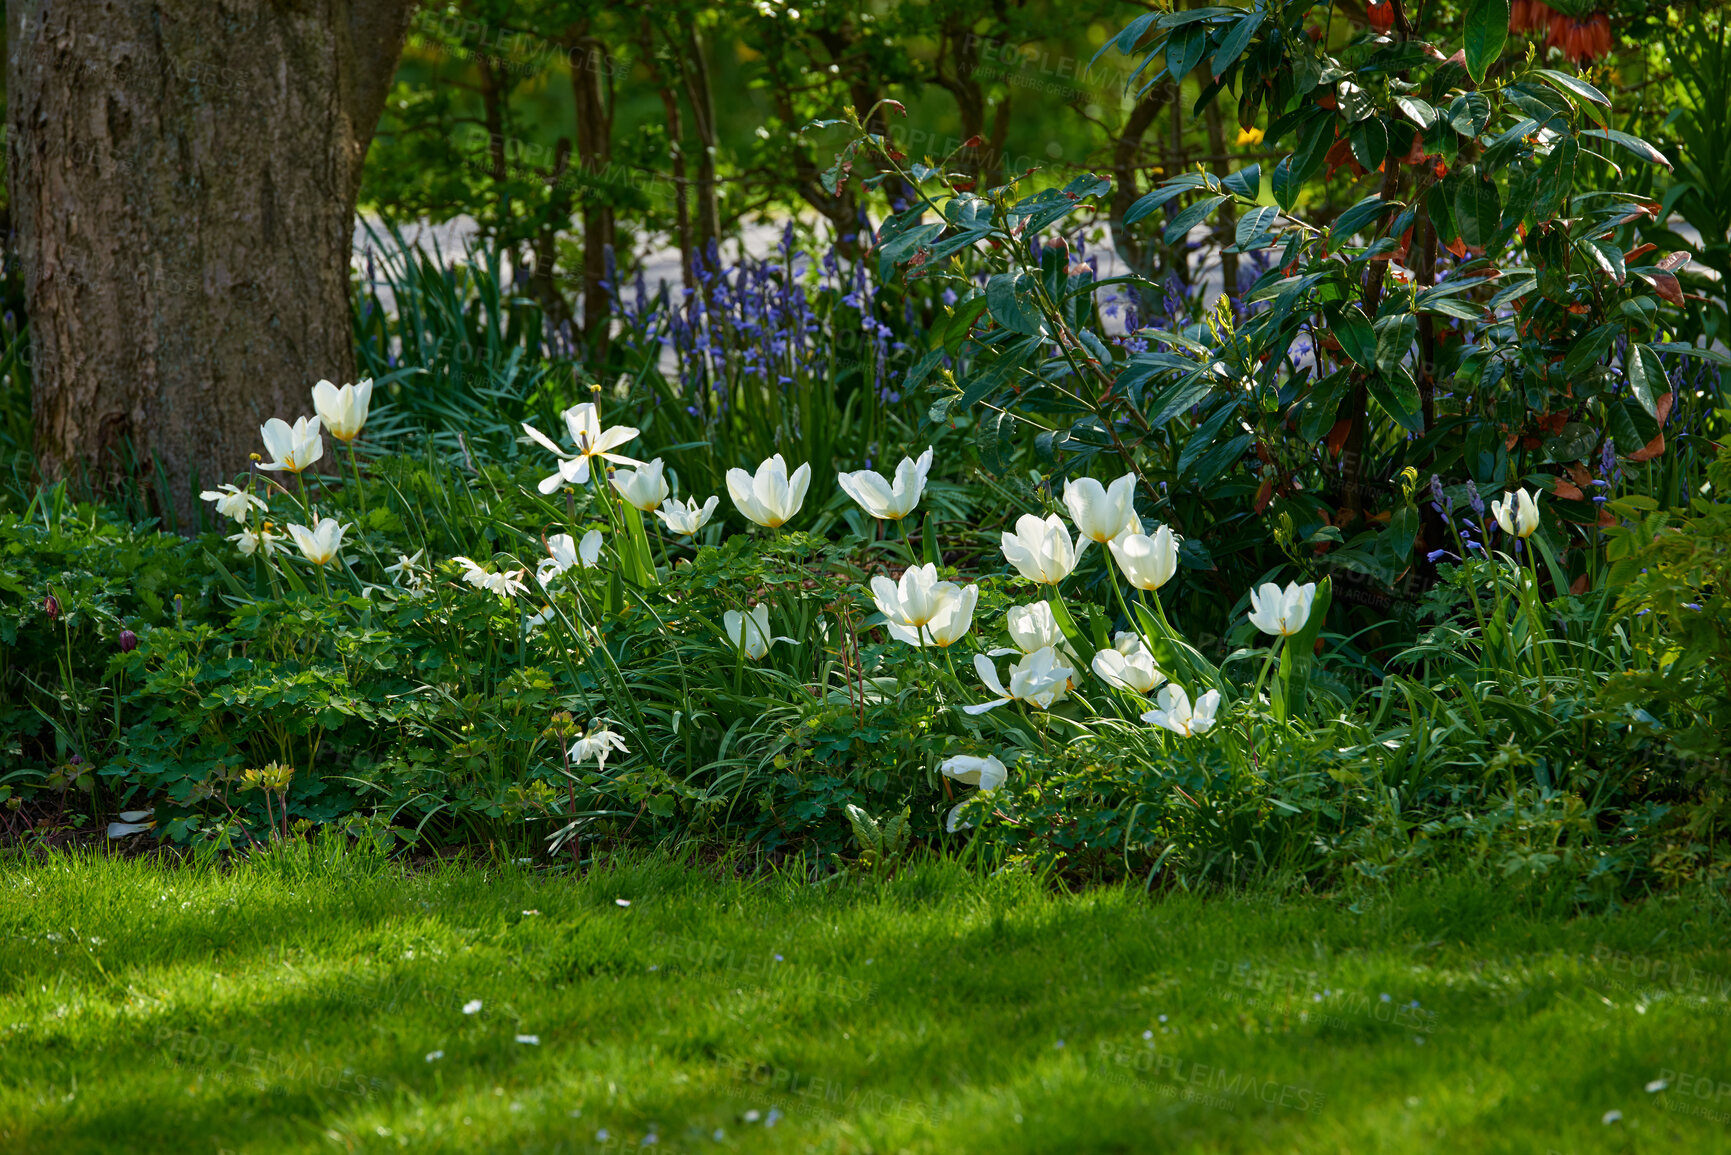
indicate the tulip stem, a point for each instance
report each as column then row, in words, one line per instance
column 356, row 467
column 907, row 540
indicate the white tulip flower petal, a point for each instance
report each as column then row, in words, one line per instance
column 321, row 543
column 291, row 447
column 771, row 497
column 644, row 487
column 949, row 625
column 1128, row 665
column 1039, row 679
column 583, row 422
column 1147, row 560
column 1517, row 514
column 1102, row 513
column 1281, row 612
column 1040, row 550
column 686, row 517
column 750, row 631
column 885, row 499
column 985, row 772
column 344, row 411
column 1177, row 715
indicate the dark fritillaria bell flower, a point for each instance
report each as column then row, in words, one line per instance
column 51, row 607
column 128, row 641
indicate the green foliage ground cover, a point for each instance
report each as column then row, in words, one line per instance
column 314, row 999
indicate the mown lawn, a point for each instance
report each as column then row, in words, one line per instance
column 352, row 1006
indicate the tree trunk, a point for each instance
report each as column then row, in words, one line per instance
column 183, row 177
column 592, row 97
column 694, row 70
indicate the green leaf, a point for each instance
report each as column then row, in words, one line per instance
column 1647, row 380
column 1179, row 227
column 1184, row 51
column 1487, row 31
column 1397, row 393
column 1369, row 209
column 1010, row 297
column 1316, row 413
column 1556, row 175
column 1353, row 330
column 1246, row 182
column 1632, row 144
column 1469, row 113
column 1370, row 142
column 1237, row 41
column 1478, row 210
column 1575, row 86
column 1587, row 349
column 1253, row 228
column 1394, row 338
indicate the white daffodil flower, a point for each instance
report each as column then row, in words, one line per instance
column 1175, row 712
column 687, row 517
column 884, row 499
column 770, row 497
column 583, row 422
column 564, row 553
column 1517, row 514
column 597, row 744
column 250, row 541
column 1281, row 612
column 232, row 501
column 321, row 543
column 644, row 487
column 291, row 447
column 344, row 411
column 1040, row 550
column 1148, row 560
column 1102, row 513
column 1039, row 679
column 1128, row 665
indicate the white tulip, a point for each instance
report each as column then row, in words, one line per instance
column 1281, row 612
column 644, row 487
column 291, row 447
column 884, row 499
column 321, row 543
column 1039, row 679
column 1176, row 714
column 770, row 498
column 1032, row 627
column 951, row 623
column 1128, row 665
column 250, row 542
column 563, row 554
column 232, row 502
column 987, row 773
column 750, row 631
column 344, row 411
column 916, row 598
column 583, row 422
column 687, row 517
column 597, row 744
column 505, row 584
column 1102, row 513
column 1518, row 514
column 1148, row 560
column 1040, row 550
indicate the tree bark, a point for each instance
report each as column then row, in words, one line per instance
column 592, row 97
column 183, row 178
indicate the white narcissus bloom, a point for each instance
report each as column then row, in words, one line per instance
column 320, row 543
column 987, row 773
column 1175, row 713
column 1148, row 560
column 1102, row 513
column 232, row 501
column 250, row 542
column 505, row 584
column 583, row 422
column 770, row 497
column 1040, row 550
column 597, row 744
column 563, row 553
column 955, row 617
column 1281, row 612
column 1518, row 513
column 644, row 487
column 750, row 631
column 344, row 411
column 1128, row 665
column 291, row 447
column 1039, row 679
column 687, row 517
column 884, row 499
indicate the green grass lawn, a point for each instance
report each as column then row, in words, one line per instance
column 352, row 1006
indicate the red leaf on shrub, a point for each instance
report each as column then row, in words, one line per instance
column 1651, row 450
column 1337, row 436
column 1567, row 491
column 1264, row 494
column 1459, row 248
column 1579, row 585
column 1673, row 260
column 973, row 141
column 1666, row 285
column 1662, row 407
column 897, row 105
column 1639, row 251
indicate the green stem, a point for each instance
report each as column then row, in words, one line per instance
column 355, row 466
